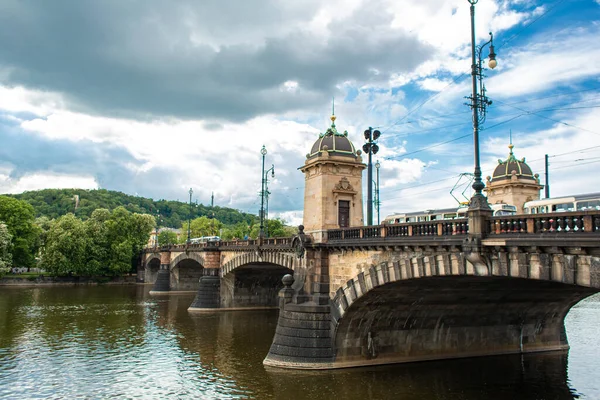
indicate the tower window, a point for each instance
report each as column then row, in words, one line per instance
column 344, row 213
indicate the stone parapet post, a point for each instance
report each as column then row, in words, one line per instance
column 478, row 221
column 287, row 293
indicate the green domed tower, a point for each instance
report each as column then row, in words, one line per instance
column 513, row 182
column 333, row 184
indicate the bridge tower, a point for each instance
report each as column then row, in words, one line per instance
column 333, row 184
column 513, row 182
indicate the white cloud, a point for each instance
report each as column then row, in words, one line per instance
column 434, row 85
column 38, row 181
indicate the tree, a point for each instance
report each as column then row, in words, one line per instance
column 238, row 231
column 274, row 228
column 99, row 247
column 5, row 255
column 203, row 226
column 44, row 224
column 166, row 238
column 127, row 233
column 19, row 219
column 67, row 245
column 54, row 203
column 105, row 244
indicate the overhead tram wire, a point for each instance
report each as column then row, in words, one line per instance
column 423, row 184
column 451, row 140
column 523, row 113
column 465, row 74
column 437, row 117
column 550, row 119
column 420, row 193
column 427, row 148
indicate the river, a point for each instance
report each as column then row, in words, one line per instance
column 98, row 342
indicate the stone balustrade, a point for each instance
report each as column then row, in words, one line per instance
column 412, row 229
column 555, row 223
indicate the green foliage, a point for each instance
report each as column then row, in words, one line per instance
column 19, row 219
column 203, row 226
column 67, row 246
column 273, row 228
column 166, row 238
column 54, row 203
column 5, row 255
column 105, row 244
column 238, row 231
column 44, row 224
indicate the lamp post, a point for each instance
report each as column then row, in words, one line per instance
column 370, row 148
column 267, row 193
column 377, row 200
column 261, row 233
column 478, row 104
column 156, row 230
column 189, row 238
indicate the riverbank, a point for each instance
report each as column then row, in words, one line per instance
column 45, row 280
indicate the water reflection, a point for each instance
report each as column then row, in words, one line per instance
column 99, row 342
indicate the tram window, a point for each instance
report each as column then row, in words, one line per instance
column 588, row 205
column 563, row 207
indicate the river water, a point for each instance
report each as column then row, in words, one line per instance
column 120, row 342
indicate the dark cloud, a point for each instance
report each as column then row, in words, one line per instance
column 111, row 166
column 141, row 58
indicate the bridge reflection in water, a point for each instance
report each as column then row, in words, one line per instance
column 120, row 342
column 409, row 292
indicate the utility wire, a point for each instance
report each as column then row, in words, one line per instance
column 551, row 119
column 464, row 74
column 437, row 117
column 423, row 184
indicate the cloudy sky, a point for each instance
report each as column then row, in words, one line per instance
column 152, row 97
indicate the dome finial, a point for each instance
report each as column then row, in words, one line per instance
column 510, row 145
column 333, row 112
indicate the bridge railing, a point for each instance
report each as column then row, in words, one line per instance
column 276, row 241
column 411, row 229
column 563, row 222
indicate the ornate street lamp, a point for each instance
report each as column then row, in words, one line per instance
column 189, row 238
column 377, row 199
column 370, row 148
column 478, row 104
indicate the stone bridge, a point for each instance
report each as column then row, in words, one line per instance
column 226, row 275
column 397, row 293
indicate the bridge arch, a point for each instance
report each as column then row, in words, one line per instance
column 151, row 267
column 150, row 258
column 186, row 270
column 280, row 259
column 253, row 279
column 187, row 256
column 425, row 308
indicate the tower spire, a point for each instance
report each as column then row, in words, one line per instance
column 333, row 112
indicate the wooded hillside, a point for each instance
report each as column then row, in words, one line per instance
column 54, row 203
